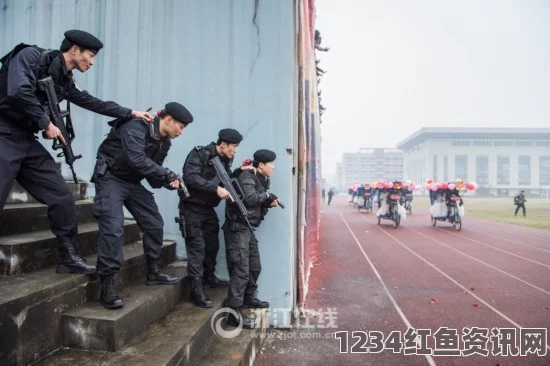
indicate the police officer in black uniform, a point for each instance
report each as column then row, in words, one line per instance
column 241, row 245
column 197, row 211
column 22, row 115
column 134, row 150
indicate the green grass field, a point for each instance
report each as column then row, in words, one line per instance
column 501, row 209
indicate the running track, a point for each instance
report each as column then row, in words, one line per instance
column 489, row 275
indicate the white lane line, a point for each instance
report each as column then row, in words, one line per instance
column 537, row 238
column 492, row 246
column 452, row 279
column 399, row 311
column 480, row 261
column 511, row 241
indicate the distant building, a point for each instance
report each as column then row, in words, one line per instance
column 502, row 161
column 369, row 165
column 340, row 176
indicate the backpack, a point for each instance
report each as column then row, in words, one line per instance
column 45, row 59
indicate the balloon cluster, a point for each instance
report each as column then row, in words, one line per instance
column 386, row 184
column 458, row 184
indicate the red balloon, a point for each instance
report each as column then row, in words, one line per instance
column 470, row 186
column 444, row 185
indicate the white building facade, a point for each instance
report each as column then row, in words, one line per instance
column 371, row 164
column 502, row 161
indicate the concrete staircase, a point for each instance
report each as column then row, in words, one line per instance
column 53, row 319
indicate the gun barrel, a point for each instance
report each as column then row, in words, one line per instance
column 183, row 188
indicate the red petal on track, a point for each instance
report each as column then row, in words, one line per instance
column 475, row 305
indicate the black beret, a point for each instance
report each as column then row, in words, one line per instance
column 179, row 112
column 230, row 135
column 84, row 39
column 264, row 156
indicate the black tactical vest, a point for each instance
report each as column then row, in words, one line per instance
column 255, row 213
column 49, row 63
column 202, row 156
column 156, row 149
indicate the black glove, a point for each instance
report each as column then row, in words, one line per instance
column 169, row 177
column 272, row 197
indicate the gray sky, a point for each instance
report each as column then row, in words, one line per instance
column 396, row 66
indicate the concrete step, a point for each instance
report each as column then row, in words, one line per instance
column 19, row 195
column 91, row 326
column 180, row 338
column 240, row 349
column 30, row 217
column 31, row 304
column 24, row 253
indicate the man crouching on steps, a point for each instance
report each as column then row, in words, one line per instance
column 133, row 150
column 241, row 245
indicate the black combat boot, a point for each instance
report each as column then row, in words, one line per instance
column 69, row 261
column 109, row 297
column 198, row 297
column 212, row 281
column 234, row 319
column 156, row 277
column 255, row 304
column 74, row 244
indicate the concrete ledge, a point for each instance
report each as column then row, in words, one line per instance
column 180, row 338
column 31, row 305
column 30, row 217
column 239, row 350
column 19, row 195
column 24, row 253
column 91, row 326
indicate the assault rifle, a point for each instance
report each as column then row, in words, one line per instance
column 232, row 185
column 58, row 117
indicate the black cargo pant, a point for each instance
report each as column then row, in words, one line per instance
column 24, row 159
column 112, row 193
column 243, row 263
column 520, row 205
column 201, row 242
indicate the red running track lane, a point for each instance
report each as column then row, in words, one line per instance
column 385, row 279
column 526, row 233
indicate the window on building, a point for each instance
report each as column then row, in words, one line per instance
column 482, row 169
column 435, row 167
column 461, row 142
column 503, row 143
column 445, row 168
column 544, row 170
column 482, row 143
column 461, row 166
column 503, row 170
column 525, row 143
column 543, row 143
column 524, row 170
